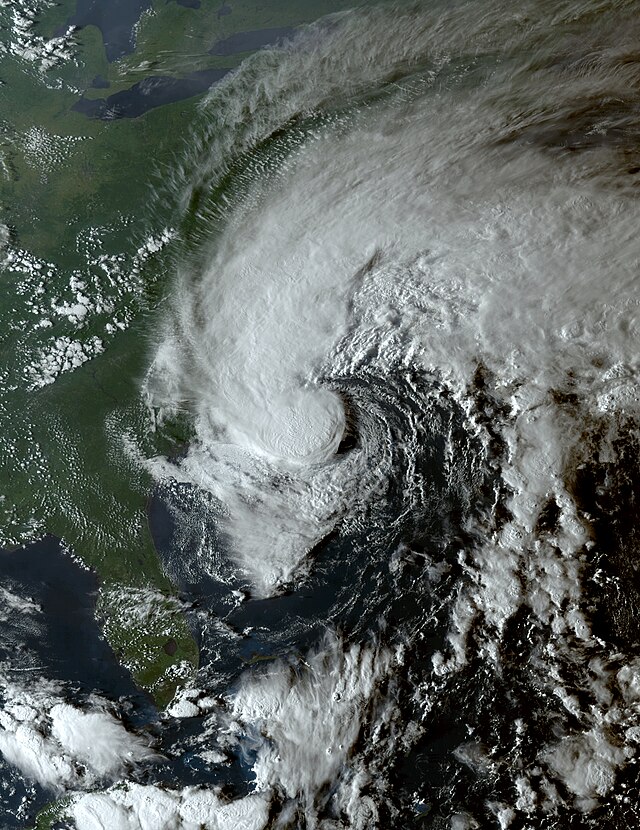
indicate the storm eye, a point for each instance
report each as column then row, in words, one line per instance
column 304, row 425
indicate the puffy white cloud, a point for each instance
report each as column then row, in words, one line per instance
column 62, row 746
column 587, row 763
column 301, row 723
column 137, row 807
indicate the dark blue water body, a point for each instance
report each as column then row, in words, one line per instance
column 348, row 589
column 148, row 94
column 256, row 628
column 351, row 586
column 250, row 41
column 66, row 641
column 369, row 578
column 182, row 766
column 114, row 18
column 61, row 642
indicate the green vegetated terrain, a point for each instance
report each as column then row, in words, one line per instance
column 76, row 194
column 52, row 815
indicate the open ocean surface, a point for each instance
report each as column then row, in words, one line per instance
column 401, row 323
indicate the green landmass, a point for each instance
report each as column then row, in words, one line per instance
column 78, row 196
column 51, row 814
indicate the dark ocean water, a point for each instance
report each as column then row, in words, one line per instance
column 487, row 503
column 65, row 644
column 353, row 588
column 72, row 648
column 62, row 642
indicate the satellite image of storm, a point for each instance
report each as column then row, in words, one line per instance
column 319, row 414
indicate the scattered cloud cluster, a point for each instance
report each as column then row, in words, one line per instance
column 63, row 746
column 134, row 806
column 24, row 42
